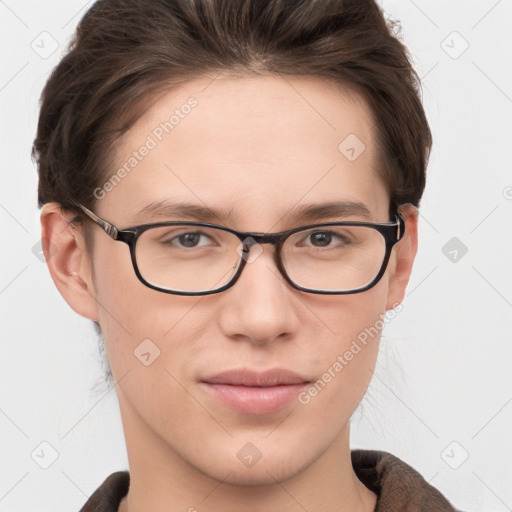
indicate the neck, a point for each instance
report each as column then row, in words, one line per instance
column 160, row 479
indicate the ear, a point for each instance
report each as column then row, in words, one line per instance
column 402, row 257
column 69, row 263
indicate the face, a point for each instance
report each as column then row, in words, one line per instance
column 259, row 148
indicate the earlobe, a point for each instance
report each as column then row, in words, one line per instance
column 405, row 252
column 69, row 263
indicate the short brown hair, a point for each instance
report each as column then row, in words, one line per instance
column 127, row 51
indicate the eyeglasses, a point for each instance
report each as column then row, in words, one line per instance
column 197, row 258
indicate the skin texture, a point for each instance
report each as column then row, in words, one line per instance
column 259, row 146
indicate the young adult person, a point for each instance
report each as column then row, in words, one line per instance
column 229, row 190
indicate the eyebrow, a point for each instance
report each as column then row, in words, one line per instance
column 305, row 213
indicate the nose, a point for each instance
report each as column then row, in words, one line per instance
column 261, row 306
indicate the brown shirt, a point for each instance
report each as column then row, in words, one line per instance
column 399, row 488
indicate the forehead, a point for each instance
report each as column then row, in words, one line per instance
column 248, row 144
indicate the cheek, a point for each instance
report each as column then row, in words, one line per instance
column 346, row 359
column 135, row 319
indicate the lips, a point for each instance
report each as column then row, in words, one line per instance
column 244, row 377
column 251, row 392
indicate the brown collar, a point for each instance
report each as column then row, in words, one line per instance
column 397, row 485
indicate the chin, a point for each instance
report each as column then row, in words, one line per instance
column 266, row 471
column 253, row 477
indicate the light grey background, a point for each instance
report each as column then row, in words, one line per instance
column 443, row 388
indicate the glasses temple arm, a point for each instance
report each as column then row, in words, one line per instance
column 110, row 229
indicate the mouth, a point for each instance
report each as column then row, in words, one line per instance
column 257, row 393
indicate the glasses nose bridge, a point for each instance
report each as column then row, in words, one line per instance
column 261, row 238
column 250, row 239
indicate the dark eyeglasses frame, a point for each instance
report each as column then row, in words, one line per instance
column 392, row 233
